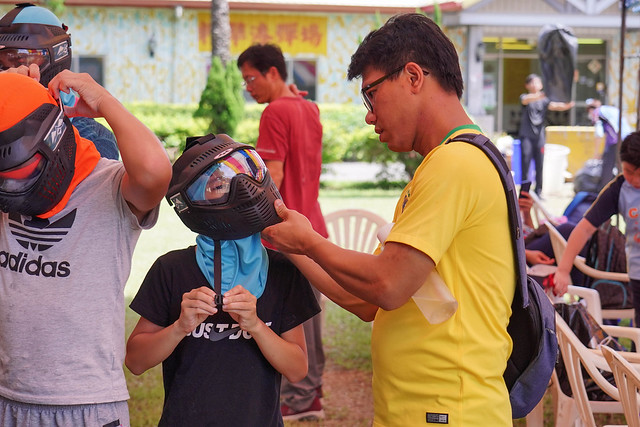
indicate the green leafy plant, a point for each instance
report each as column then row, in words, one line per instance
column 56, row 6
column 346, row 136
column 172, row 123
column 222, row 101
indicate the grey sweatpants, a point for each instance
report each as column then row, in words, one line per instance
column 298, row 396
column 18, row 414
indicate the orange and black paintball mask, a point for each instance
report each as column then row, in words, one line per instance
column 37, row 147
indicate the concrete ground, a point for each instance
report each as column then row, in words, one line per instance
column 557, row 199
column 555, row 196
column 359, row 172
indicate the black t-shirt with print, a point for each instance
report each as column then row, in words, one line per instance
column 226, row 382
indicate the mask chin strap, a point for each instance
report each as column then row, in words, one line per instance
column 217, row 273
column 217, row 287
column 11, row 15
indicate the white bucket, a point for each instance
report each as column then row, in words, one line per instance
column 556, row 161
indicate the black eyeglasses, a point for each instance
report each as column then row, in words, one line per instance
column 249, row 81
column 364, row 93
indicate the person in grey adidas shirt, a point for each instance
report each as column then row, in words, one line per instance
column 69, row 223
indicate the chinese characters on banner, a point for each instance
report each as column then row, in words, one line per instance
column 295, row 34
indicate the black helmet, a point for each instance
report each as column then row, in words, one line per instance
column 222, row 189
column 30, row 34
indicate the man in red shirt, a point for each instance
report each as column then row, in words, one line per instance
column 290, row 143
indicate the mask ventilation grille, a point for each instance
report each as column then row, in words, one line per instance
column 13, row 38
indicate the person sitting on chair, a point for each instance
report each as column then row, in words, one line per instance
column 538, row 248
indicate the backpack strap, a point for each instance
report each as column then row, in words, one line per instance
column 515, row 222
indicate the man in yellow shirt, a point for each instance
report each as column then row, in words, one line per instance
column 452, row 218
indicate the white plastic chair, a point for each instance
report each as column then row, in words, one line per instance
column 354, row 229
column 540, row 213
column 559, row 244
column 627, row 380
column 577, row 356
column 565, row 409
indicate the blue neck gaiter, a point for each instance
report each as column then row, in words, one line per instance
column 244, row 262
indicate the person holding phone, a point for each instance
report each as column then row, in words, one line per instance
column 537, row 242
column 524, row 187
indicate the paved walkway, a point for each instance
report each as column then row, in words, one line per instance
column 556, row 200
column 360, row 172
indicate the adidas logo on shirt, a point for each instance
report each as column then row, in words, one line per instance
column 37, row 235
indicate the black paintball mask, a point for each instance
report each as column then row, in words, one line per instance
column 222, row 189
column 37, row 161
column 30, row 34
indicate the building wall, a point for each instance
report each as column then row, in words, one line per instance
column 631, row 83
column 174, row 74
column 177, row 71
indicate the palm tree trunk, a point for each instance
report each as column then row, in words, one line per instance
column 220, row 30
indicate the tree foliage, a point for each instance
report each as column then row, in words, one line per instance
column 222, row 101
column 56, row 6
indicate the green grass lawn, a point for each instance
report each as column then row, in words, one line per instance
column 346, row 337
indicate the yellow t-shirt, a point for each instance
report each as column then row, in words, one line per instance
column 455, row 211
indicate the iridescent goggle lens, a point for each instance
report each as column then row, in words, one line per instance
column 22, row 177
column 212, row 187
column 12, row 57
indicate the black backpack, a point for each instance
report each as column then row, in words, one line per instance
column 532, row 325
column 591, row 334
column 606, row 252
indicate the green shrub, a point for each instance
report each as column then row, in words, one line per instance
column 247, row 130
column 171, row 123
column 222, row 100
column 346, row 136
